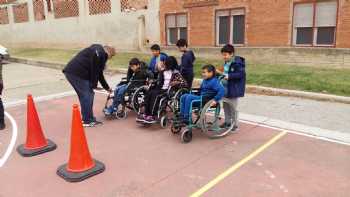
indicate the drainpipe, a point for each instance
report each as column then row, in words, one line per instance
column 141, row 33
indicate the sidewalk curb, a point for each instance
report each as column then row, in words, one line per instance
column 253, row 89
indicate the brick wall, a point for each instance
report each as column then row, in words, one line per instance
column 127, row 5
column 99, row 7
column 38, row 9
column 4, row 17
column 66, row 8
column 343, row 33
column 20, row 13
column 267, row 22
column 6, row 1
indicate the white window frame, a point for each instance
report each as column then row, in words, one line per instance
column 228, row 12
column 315, row 26
column 176, row 15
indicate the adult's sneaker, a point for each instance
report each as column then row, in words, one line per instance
column 92, row 123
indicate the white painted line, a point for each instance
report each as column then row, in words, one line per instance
column 296, row 132
column 39, row 99
column 13, row 140
column 298, row 129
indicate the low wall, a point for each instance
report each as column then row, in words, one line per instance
column 332, row 57
column 122, row 29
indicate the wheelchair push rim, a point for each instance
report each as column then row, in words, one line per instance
column 138, row 98
column 213, row 121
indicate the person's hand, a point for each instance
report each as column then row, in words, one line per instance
column 213, row 104
column 226, row 77
column 110, row 90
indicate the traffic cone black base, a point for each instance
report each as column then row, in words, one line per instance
column 32, row 152
column 80, row 176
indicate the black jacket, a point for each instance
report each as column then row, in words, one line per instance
column 89, row 64
column 138, row 78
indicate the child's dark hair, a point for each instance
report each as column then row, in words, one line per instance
column 229, row 48
column 171, row 63
column 155, row 47
column 181, row 43
column 210, row 68
column 134, row 61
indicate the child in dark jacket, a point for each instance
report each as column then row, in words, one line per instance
column 157, row 60
column 234, row 82
column 168, row 77
column 211, row 88
column 136, row 77
column 187, row 61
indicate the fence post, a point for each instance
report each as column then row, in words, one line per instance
column 30, row 11
column 10, row 15
column 115, row 7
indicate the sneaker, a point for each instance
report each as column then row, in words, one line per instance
column 92, row 123
column 140, row 118
column 2, row 126
column 109, row 111
column 225, row 125
column 234, row 129
column 150, row 120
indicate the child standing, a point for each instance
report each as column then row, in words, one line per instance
column 211, row 88
column 136, row 77
column 187, row 61
column 157, row 60
column 168, row 77
column 234, row 81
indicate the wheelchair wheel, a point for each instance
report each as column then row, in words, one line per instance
column 122, row 114
column 186, row 136
column 213, row 121
column 164, row 122
column 138, row 98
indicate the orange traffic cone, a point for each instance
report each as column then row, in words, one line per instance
column 80, row 165
column 36, row 143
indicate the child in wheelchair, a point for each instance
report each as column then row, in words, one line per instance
column 168, row 77
column 211, row 88
column 137, row 76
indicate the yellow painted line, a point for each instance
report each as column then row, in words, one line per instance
column 236, row 166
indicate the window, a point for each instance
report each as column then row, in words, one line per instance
column 176, row 28
column 230, row 27
column 315, row 23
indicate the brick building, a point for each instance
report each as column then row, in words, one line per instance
column 257, row 23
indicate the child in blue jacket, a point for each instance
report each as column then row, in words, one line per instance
column 234, row 81
column 211, row 88
column 157, row 60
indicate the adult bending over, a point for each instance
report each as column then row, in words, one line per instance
column 84, row 72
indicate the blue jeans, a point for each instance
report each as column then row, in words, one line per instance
column 118, row 95
column 186, row 101
column 85, row 94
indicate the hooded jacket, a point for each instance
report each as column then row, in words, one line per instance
column 236, row 78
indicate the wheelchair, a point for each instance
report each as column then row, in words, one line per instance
column 167, row 103
column 210, row 120
column 133, row 99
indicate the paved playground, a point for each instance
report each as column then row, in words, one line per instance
column 258, row 160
